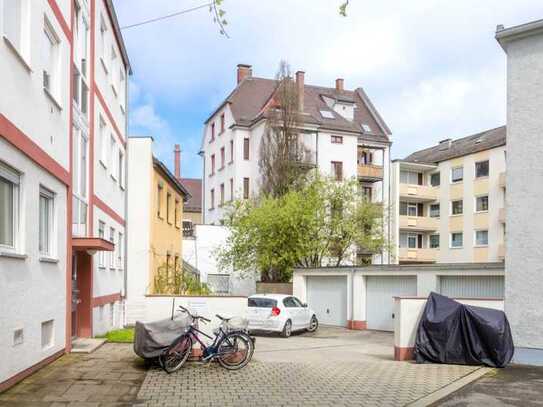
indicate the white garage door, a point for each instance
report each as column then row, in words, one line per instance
column 472, row 286
column 327, row 296
column 379, row 301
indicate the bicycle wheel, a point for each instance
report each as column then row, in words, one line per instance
column 235, row 350
column 175, row 357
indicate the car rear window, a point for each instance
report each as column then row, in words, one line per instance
column 262, row 302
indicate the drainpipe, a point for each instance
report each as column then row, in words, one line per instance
column 126, row 225
column 204, row 195
column 352, row 297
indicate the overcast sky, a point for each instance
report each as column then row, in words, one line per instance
column 432, row 68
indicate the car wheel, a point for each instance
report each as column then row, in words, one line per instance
column 287, row 329
column 313, row 324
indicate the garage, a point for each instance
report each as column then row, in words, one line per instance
column 380, row 291
column 327, row 296
column 472, row 286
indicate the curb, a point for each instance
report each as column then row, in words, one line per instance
column 450, row 388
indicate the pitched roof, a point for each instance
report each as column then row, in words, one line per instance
column 175, row 182
column 460, row 147
column 248, row 99
column 194, row 186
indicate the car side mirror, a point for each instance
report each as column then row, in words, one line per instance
column 304, row 305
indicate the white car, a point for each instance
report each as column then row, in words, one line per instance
column 280, row 313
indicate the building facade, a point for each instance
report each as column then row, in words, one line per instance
column 62, row 187
column 192, row 208
column 523, row 267
column 342, row 133
column 155, row 213
column 449, row 201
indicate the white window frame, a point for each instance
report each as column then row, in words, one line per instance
column 412, row 236
column 411, row 205
column 452, row 172
column 475, row 203
column 101, row 235
column 112, row 157
column 13, row 177
column 103, row 39
column 113, row 253
column 19, row 45
column 430, row 210
column 430, row 179
column 451, row 240
column 451, row 207
column 79, row 191
column 51, row 225
column 476, row 244
column 430, row 241
column 52, row 90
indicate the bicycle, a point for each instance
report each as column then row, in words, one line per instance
column 232, row 348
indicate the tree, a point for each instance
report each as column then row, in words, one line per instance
column 282, row 154
column 317, row 225
column 174, row 280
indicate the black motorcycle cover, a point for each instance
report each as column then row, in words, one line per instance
column 450, row 332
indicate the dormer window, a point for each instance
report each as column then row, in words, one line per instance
column 327, row 114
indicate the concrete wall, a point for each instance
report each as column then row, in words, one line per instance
column 524, row 251
column 407, row 314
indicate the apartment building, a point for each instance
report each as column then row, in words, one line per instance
column 448, row 201
column 155, row 213
column 342, row 133
column 63, row 69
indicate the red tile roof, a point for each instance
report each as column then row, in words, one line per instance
column 194, row 187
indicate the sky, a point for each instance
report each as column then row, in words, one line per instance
column 432, row 68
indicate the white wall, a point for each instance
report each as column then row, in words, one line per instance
column 32, row 290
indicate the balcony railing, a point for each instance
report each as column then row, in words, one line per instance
column 303, row 157
column 418, row 255
column 419, row 223
column 419, row 192
column 370, row 172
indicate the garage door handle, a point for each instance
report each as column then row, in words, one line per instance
column 327, row 310
column 392, row 316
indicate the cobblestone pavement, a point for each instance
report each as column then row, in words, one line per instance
column 334, row 367
column 111, row 376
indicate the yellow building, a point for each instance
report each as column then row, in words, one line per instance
column 155, row 214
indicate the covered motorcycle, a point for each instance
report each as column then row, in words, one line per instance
column 450, row 332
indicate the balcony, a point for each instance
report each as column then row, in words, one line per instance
column 417, row 255
column 501, row 215
column 501, row 251
column 370, row 172
column 502, row 180
column 303, row 157
column 419, row 193
column 419, row 223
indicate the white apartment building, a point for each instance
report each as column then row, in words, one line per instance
column 448, row 201
column 63, row 69
column 343, row 132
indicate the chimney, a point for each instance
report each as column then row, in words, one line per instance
column 300, row 89
column 177, row 161
column 445, row 144
column 244, row 71
column 339, row 84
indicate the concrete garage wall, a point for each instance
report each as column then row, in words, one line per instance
column 408, row 312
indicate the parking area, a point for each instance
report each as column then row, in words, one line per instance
column 333, row 366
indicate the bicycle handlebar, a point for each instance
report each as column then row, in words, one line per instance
column 194, row 316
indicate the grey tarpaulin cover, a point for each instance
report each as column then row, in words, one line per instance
column 450, row 332
column 151, row 338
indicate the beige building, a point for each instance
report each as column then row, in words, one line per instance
column 448, row 201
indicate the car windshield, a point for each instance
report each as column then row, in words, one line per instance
column 262, row 302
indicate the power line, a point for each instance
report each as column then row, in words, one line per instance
column 167, row 16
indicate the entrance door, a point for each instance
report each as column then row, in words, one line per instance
column 327, row 296
column 75, row 296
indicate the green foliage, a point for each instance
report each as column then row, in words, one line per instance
column 343, row 8
column 125, row 335
column 316, row 225
column 172, row 279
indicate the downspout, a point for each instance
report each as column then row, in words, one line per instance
column 352, row 297
column 204, row 195
column 389, row 206
column 126, row 226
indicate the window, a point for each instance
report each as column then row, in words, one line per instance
column 435, row 179
column 434, row 211
column 50, row 58
column 222, row 194
column 457, row 240
column 176, row 213
column 212, row 197
column 411, row 209
column 103, row 142
column 47, row 334
column 336, row 139
column 434, row 241
column 112, row 155
column 168, row 206
column 188, row 230
column 366, row 128
column 112, row 254
column 46, row 222
column 367, row 193
column 457, row 207
column 327, row 114
column 159, row 200
column 481, row 169
column 365, row 157
column 481, row 203
column 212, row 164
column 245, row 148
column 222, row 122
column 245, row 188
column 410, row 241
column 14, row 23
column 79, row 182
column 103, row 40
column 101, row 235
column 337, row 170
column 231, row 151
column 121, row 169
column 457, row 174
column 410, row 177
column 9, row 206
column 222, row 157
column 212, row 131
column 231, row 189
column 363, row 259
column 120, row 251
column 481, row 237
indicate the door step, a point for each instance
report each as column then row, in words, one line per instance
column 87, row 345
